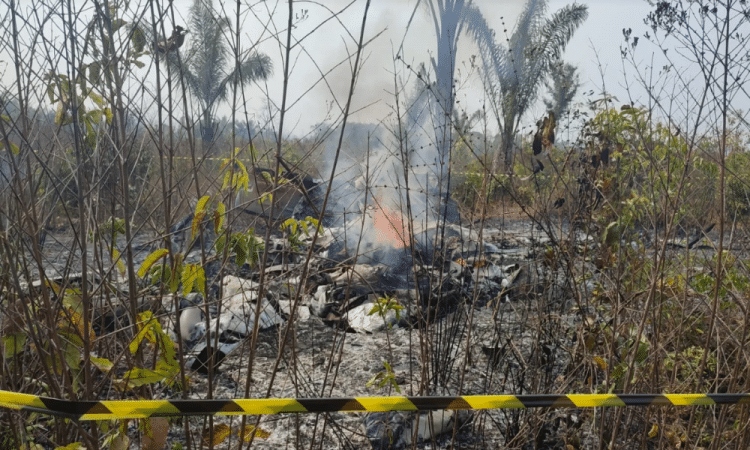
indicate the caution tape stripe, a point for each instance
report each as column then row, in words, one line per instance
column 138, row 409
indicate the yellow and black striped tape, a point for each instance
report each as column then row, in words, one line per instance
column 138, row 409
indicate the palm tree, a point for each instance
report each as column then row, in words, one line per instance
column 514, row 72
column 563, row 84
column 206, row 59
column 448, row 19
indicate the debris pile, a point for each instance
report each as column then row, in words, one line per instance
column 370, row 303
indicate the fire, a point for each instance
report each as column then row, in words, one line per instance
column 389, row 227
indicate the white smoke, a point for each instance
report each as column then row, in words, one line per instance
column 370, row 179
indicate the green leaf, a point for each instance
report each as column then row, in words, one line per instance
column 118, row 261
column 108, row 115
column 150, row 260
column 253, row 153
column 227, row 179
column 51, row 91
column 201, row 280
column 220, row 242
column 193, row 275
column 73, row 446
column 103, row 364
column 254, row 248
column 374, row 379
column 69, row 336
column 290, row 223
column 98, row 99
column 118, row 23
column 188, row 278
column 220, row 433
column 167, row 363
column 247, row 433
column 64, row 87
column 138, row 377
column 240, row 248
column 72, row 355
column 160, row 273
column 13, row 148
column 314, row 222
column 95, row 118
column 145, row 331
column 166, row 366
column 642, row 352
column 611, row 235
column 219, row 214
column 243, row 180
column 117, row 441
column 200, row 213
column 138, row 39
column 13, row 344
column 60, row 115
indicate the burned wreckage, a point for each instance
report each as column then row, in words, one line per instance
column 374, row 270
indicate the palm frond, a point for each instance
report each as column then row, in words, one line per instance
column 494, row 57
column 191, row 80
column 177, row 67
column 256, row 67
column 449, row 21
column 208, row 40
column 557, row 31
column 563, row 84
column 513, row 73
column 528, row 25
column 208, row 53
column 547, row 47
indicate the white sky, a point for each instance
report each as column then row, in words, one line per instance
column 594, row 48
column 600, row 36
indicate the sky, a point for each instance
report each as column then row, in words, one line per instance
column 594, row 49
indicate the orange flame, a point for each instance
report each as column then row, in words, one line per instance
column 389, row 226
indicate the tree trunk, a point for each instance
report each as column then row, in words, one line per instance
column 207, row 134
column 208, row 130
column 502, row 162
column 445, row 95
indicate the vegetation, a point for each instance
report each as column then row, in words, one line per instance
column 633, row 277
column 203, row 64
column 514, row 73
column 563, row 85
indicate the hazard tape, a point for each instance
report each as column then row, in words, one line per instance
column 139, row 409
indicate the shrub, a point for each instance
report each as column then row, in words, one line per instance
column 737, row 188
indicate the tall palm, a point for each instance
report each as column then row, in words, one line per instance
column 562, row 85
column 448, row 19
column 514, row 72
column 207, row 66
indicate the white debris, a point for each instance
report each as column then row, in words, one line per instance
column 192, row 324
column 238, row 315
column 365, row 318
column 235, row 285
